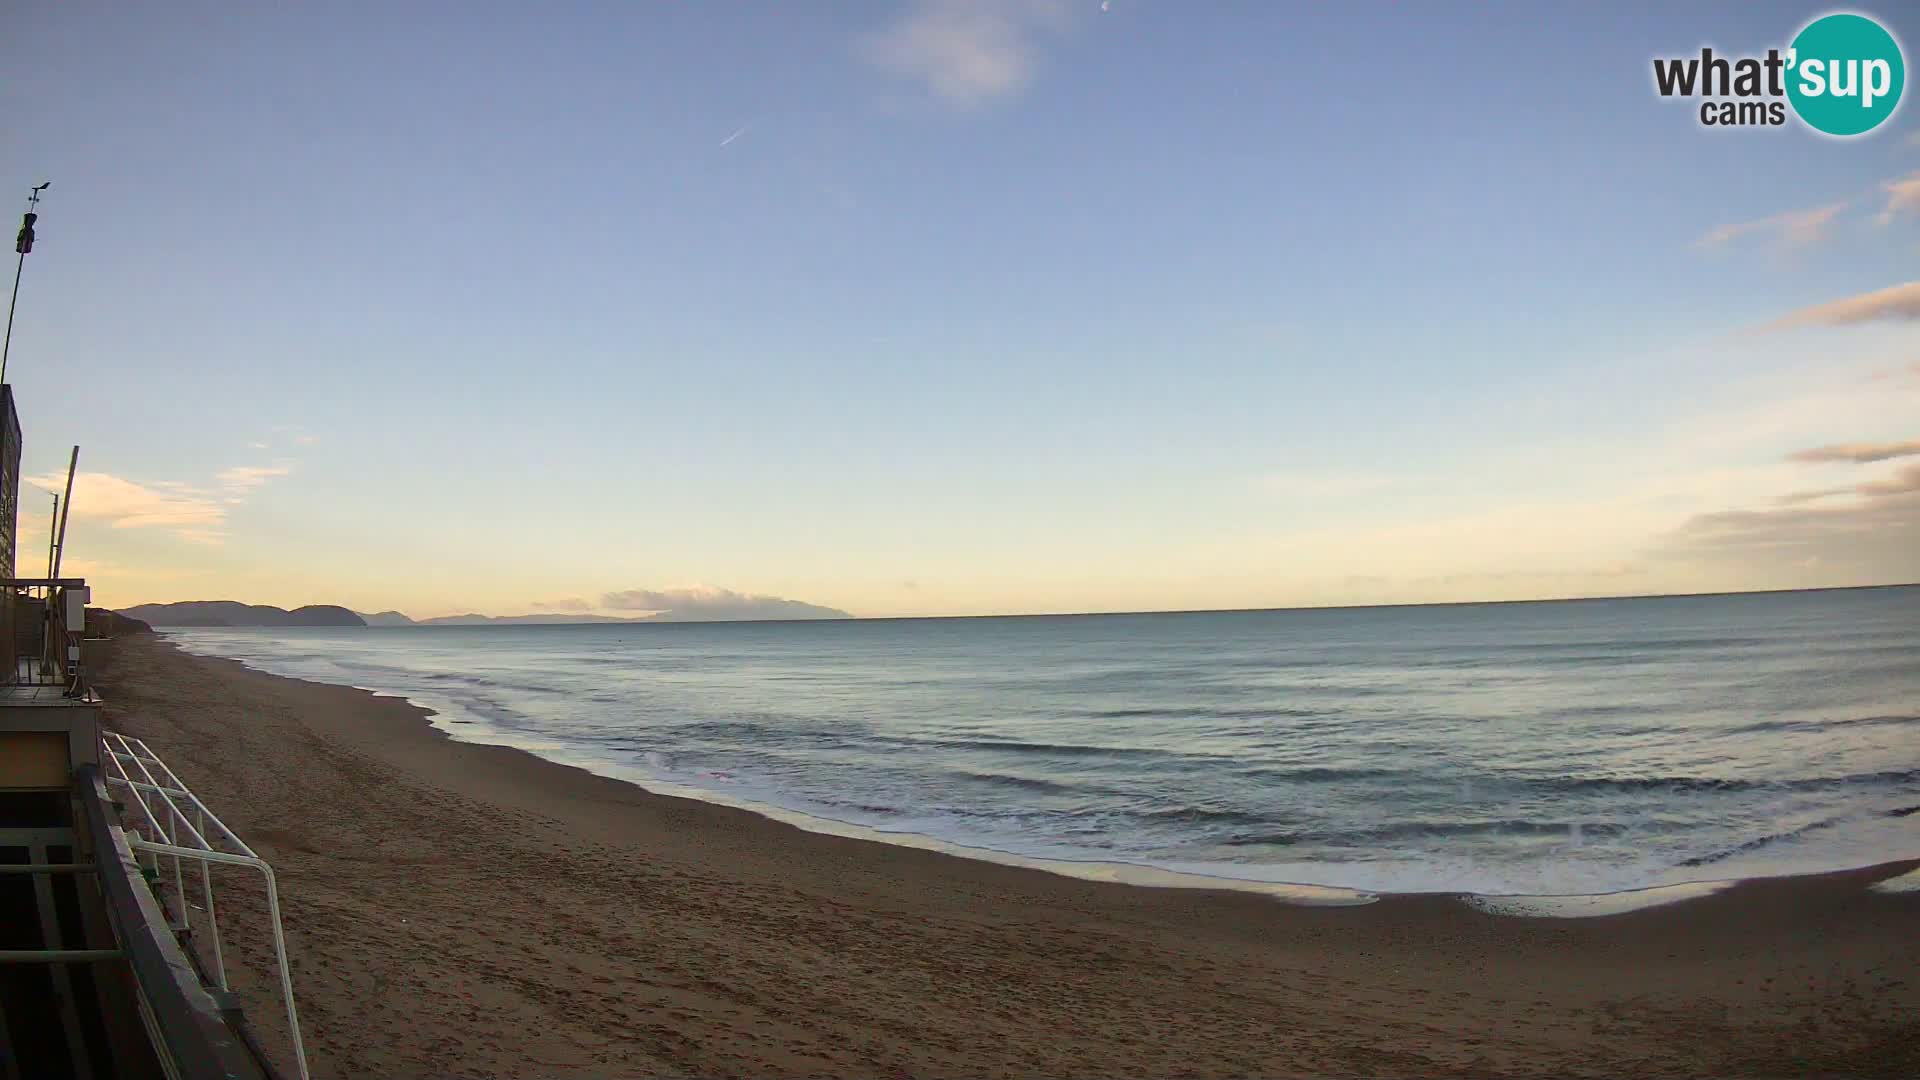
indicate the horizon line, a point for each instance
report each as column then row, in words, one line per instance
column 616, row 620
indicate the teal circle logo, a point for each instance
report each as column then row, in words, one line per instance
column 1845, row 74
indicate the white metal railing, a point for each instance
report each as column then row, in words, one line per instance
column 163, row 806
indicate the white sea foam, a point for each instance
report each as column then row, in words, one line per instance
column 1119, row 872
column 1904, row 883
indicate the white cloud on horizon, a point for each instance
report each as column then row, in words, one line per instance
column 569, row 604
column 967, row 52
column 707, row 602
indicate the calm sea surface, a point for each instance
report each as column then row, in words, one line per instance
column 1559, row 747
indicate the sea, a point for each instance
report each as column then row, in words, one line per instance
column 1555, row 748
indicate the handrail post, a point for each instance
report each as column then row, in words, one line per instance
column 213, row 918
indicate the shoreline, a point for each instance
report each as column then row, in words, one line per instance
column 474, row 908
column 1142, row 875
column 1145, row 875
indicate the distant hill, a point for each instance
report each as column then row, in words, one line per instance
column 796, row 610
column 232, row 613
column 102, row 623
column 471, row 619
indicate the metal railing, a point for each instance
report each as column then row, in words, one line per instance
column 181, row 829
column 41, row 636
column 190, row 1031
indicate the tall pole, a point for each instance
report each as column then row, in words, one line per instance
column 22, row 245
column 60, row 547
column 48, row 643
column 19, row 264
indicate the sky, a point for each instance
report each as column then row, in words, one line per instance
column 949, row 307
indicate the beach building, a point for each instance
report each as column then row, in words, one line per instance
column 110, row 949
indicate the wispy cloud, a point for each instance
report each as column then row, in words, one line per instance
column 1871, row 529
column 1858, row 453
column 189, row 512
column 1797, row 497
column 1912, row 370
column 1793, row 229
column 186, row 511
column 1903, row 197
column 708, row 603
column 1879, row 532
column 241, row 480
column 1904, row 482
column 967, row 52
column 1896, row 302
column 1796, row 229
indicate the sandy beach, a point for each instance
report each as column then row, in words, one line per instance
column 466, row 910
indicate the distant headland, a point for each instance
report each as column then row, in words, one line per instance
column 233, row 613
column 188, row 613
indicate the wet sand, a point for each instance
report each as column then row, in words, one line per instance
column 465, row 910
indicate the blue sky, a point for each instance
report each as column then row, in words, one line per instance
column 948, row 307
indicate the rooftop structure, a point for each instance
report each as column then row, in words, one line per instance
column 111, row 960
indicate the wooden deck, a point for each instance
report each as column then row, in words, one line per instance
column 33, row 696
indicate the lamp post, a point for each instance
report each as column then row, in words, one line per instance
column 22, row 244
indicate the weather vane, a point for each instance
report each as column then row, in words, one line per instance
column 23, row 243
